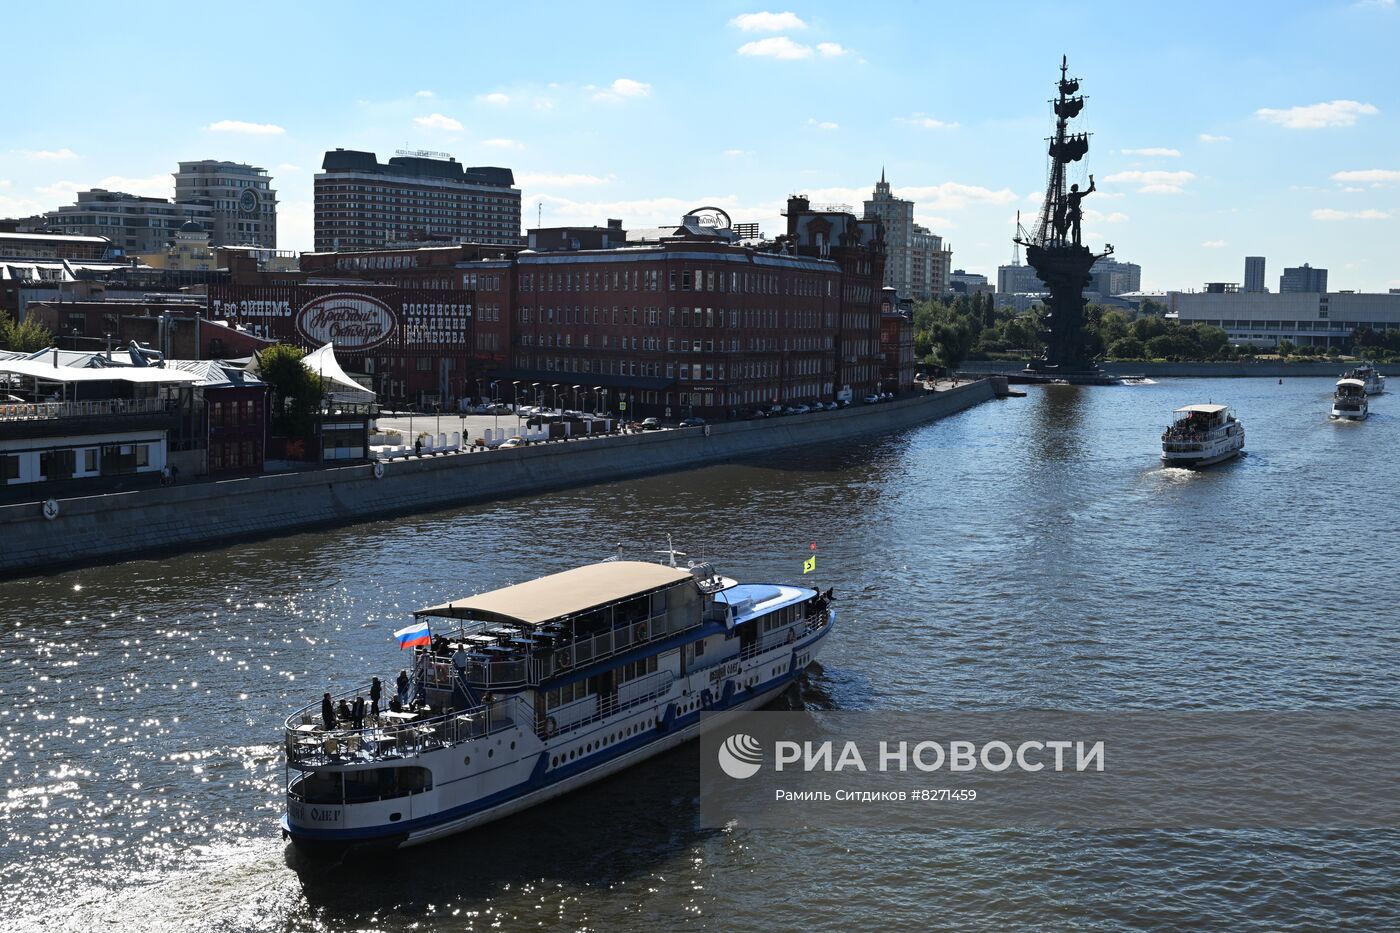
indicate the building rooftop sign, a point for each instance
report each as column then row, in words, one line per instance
column 350, row 320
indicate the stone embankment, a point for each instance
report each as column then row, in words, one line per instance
column 98, row 529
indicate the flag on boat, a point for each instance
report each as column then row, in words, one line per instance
column 413, row 636
column 809, row 564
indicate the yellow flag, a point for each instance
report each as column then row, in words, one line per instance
column 809, row 564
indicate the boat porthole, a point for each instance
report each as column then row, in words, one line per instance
column 555, row 762
column 512, row 746
column 490, row 752
column 467, row 760
column 395, row 817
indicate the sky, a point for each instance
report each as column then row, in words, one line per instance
column 1220, row 129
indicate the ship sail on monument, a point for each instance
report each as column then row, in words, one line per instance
column 1056, row 251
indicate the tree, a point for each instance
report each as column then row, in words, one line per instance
column 1126, row 348
column 23, row 338
column 296, row 390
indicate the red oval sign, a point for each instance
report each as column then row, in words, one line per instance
column 349, row 320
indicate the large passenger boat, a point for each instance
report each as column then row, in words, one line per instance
column 1349, row 400
column 525, row 693
column 1370, row 377
column 1202, row 435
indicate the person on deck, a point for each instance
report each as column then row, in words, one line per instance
column 358, row 715
column 376, row 690
column 327, row 712
column 342, row 711
column 403, row 687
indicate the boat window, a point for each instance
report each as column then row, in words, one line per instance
column 566, row 694
column 632, row 611
column 385, row 783
column 658, row 602
column 635, row 669
column 317, row 787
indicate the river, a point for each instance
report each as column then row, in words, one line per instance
column 1030, row 553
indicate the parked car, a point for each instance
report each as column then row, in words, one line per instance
column 693, row 422
column 755, row 415
column 515, row 442
column 651, row 424
column 871, row 399
column 831, row 406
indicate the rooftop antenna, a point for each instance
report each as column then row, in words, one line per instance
column 539, row 214
column 671, row 553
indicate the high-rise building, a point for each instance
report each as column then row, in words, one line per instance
column 1254, row 274
column 242, row 203
column 1018, row 279
column 362, row 203
column 917, row 263
column 1111, row 277
column 134, row 223
column 1303, row 278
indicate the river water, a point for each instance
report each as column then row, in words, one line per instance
column 1030, row 553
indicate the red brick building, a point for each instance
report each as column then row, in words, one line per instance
column 417, row 343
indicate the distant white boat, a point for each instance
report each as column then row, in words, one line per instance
column 1203, row 435
column 1349, row 401
column 1370, row 377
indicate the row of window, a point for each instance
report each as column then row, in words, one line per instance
column 700, row 280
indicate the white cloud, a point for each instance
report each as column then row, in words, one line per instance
column 1153, row 182
column 779, row 47
column 153, row 186
column 245, row 128
column 735, row 153
column 1375, row 176
column 1153, row 152
column 287, row 167
column 1316, row 116
column 551, row 180
column 767, row 22
column 48, row 155
column 823, row 124
column 831, row 49
column 495, row 98
column 503, row 143
column 1328, row 213
column 928, row 123
column 620, row 89
column 422, row 93
column 1116, row 217
column 1211, row 138
column 1214, row 244
column 438, row 121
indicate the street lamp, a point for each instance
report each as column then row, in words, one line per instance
column 554, row 388
column 515, row 402
column 576, row 388
column 535, row 393
column 495, row 412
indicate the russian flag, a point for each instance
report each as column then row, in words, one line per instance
column 413, row 636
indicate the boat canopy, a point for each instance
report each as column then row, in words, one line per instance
column 1351, row 382
column 563, row 594
column 1203, row 409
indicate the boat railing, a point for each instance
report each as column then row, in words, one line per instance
column 543, row 664
column 651, row 686
column 390, row 735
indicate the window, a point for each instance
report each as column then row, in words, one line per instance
column 9, row 468
column 90, row 460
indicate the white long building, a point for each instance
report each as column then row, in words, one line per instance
column 1305, row 319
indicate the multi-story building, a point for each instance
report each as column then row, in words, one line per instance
column 361, row 203
column 1303, row 318
column 962, row 282
column 1019, row 279
column 897, row 214
column 1254, row 274
column 54, row 246
column 1111, row 277
column 1303, row 279
column 930, row 262
column 134, row 223
column 242, row 203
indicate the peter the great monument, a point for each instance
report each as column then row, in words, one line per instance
column 1060, row 260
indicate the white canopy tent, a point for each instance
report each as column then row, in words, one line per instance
column 36, row 369
column 323, row 363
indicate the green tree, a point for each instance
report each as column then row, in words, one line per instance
column 23, row 338
column 1126, row 348
column 296, row 390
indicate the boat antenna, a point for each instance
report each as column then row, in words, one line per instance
column 671, row 553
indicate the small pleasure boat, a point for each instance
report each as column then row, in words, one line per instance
column 1349, row 401
column 1371, row 378
column 1202, row 435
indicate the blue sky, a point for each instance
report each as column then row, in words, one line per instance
column 1221, row 129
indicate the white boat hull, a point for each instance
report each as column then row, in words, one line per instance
column 1348, row 414
column 520, row 777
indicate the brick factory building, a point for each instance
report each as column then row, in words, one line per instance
column 416, row 343
column 361, row 203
